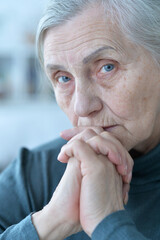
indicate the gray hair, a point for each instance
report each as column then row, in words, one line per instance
column 139, row 20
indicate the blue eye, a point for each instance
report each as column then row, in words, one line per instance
column 63, row 79
column 107, row 68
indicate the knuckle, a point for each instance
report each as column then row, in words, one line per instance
column 98, row 130
column 89, row 131
column 105, row 134
column 96, row 139
column 78, row 143
column 130, row 160
column 108, row 137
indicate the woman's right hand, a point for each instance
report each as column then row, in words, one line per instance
column 60, row 217
column 102, row 142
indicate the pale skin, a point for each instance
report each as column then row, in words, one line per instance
column 110, row 86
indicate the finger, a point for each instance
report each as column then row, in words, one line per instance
column 122, row 169
column 126, row 198
column 98, row 144
column 82, row 152
column 127, row 161
column 85, row 135
column 130, row 162
column 105, row 147
column 62, row 156
column 125, row 173
column 126, row 188
column 126, row 170
column 127, row 178
column 70, row 133
column 71, row 176
column 116, row 153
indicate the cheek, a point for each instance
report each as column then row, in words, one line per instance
column 66, row 103
column 63, row 101
column 123, row 102
column 130, row 98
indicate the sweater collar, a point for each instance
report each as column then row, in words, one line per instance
column 146, row 171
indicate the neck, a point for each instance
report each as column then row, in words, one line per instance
column 151, row 142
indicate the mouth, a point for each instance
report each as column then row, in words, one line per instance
column 109, row 128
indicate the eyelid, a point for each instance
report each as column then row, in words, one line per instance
column 61, row 74
column 106, row 65
column 63, row 82
column 106, row 75
column 102, row 63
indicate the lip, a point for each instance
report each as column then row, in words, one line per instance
column 109, row 128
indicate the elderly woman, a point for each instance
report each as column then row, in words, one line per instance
column 102, row 58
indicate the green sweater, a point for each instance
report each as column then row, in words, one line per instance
column 27, row 185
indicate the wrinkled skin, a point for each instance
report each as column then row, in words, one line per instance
column 101, row 79
column 127, row 97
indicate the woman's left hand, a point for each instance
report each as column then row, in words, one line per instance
column 104, row 143
column 101, row 185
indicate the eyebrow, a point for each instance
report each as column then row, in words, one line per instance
column 52, row 67
column 96, row 53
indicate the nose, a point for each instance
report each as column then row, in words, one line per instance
column 86, row 102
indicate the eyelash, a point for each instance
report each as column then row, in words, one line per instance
column 112, row 65
column 99, row 74
column 59, row 75
column 64, row 80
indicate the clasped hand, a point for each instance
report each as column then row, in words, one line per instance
column 95, row 183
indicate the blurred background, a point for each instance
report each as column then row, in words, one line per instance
column 29, row 115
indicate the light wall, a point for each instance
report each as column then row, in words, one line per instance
column 29, row 115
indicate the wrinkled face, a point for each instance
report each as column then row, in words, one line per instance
column 102, row 79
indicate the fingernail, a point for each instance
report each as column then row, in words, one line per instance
column 129, row 177
column 126, row 199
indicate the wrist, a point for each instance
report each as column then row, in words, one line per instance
column 50, row 226
column 100, row 217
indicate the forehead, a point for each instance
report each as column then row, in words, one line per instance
column 82, row 35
